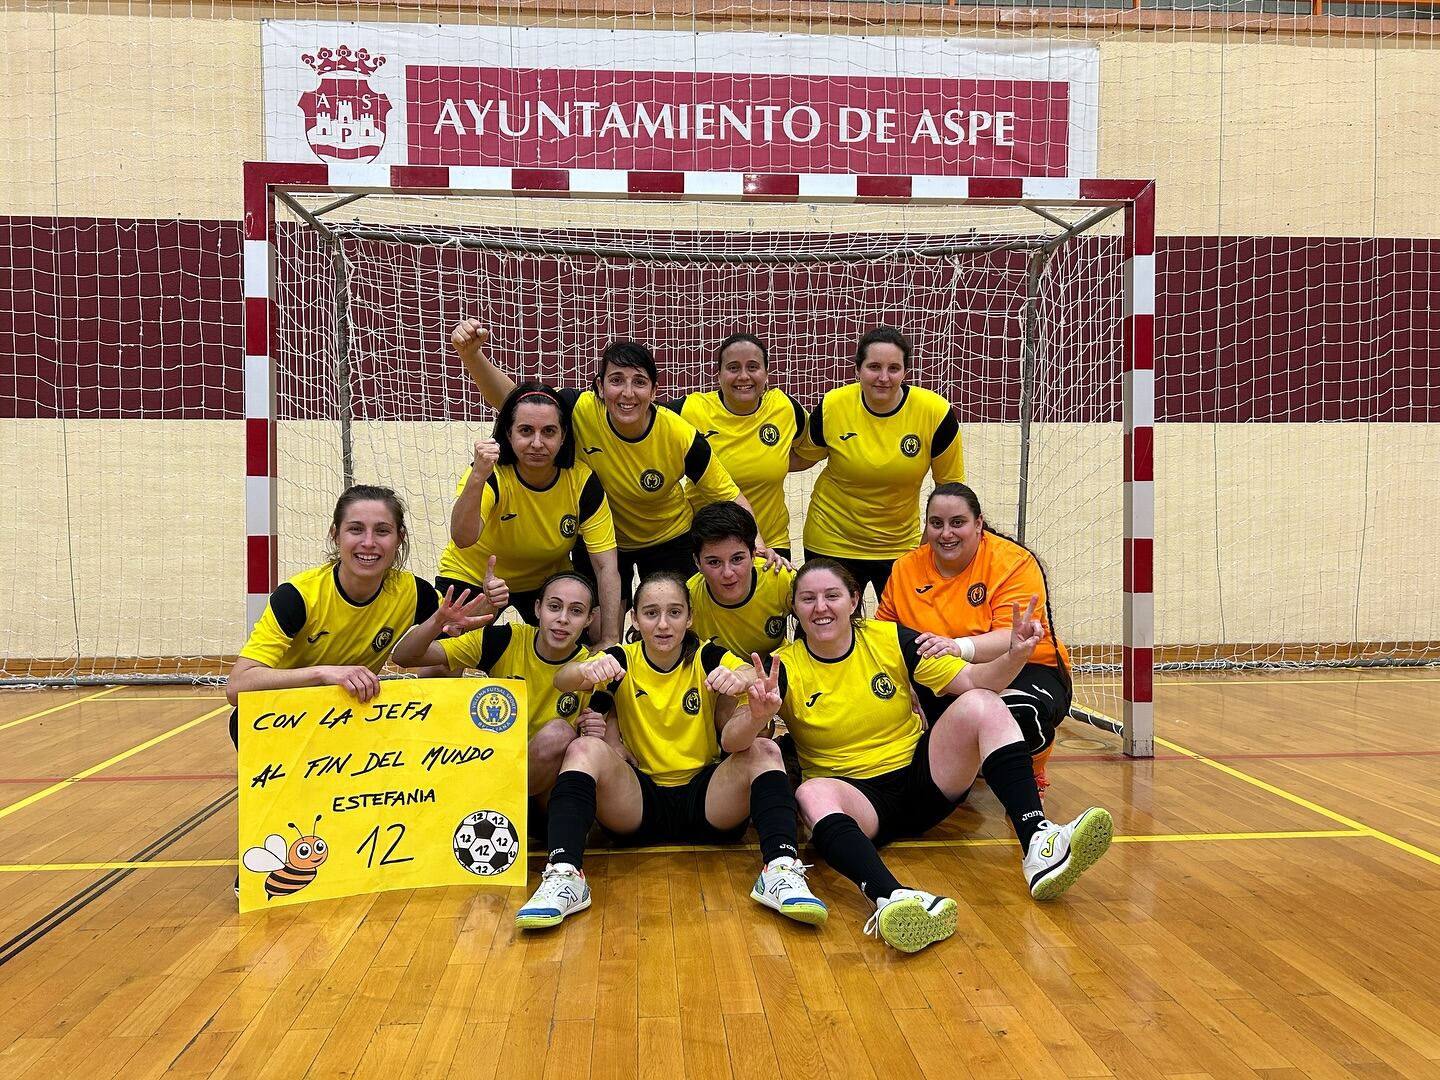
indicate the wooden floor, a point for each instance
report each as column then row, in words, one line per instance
column 1267, row 910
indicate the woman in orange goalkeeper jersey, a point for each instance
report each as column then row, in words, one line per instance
column 959, row 587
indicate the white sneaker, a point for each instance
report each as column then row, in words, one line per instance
column 910, row 919
column 562, row 892
column 782, row 886
column 1059, row 854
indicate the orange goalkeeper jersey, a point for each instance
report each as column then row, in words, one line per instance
column 975, row 601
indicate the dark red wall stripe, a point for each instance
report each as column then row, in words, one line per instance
column 139, row 318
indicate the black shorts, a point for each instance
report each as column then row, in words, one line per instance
column 907, row 801
column 673, row 554
column 872, row 572
column 676, row 815
column 522, row 602
column 1038, row 699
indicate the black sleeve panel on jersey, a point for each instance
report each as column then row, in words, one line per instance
column 710, row 656
column 591, row 496
column 674, row 406
column 493, row 483
column 784, row 683
column 494, row 640
column 569, row 396
column 697, row 458
column 945, row 434
column 799, row 415
column 817, row 424
column 426, row 602
column 619, row 654
column 908, row 649
column 289, row 608
column 601, row 701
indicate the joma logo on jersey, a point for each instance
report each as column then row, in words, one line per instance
column 508, row 517
column 976, row 594
column 769, row 434
column 568, row 704
column 775, row 626
column 882, row 686
column 910, row 445
column 652, row 480
column 568, row 525
column 383, row 638
column 691, row 704
column 316, row 636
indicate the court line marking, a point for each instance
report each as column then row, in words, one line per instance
column 665, row 849
column 1313, row 807
column 57, row 708
column 1259, row 678
column 123, row 755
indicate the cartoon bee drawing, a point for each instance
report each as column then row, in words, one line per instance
column 288, row 869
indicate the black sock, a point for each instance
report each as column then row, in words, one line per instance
column 572, row 812
column 1011, row 777
column 772, row 808
column 845, row 847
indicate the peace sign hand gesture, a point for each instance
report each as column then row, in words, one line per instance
column 1026, row 631
column 765, row 690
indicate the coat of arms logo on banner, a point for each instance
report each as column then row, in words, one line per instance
column 344, row 115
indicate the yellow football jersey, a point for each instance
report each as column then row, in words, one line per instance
column 310, row 622
column 667, row 718
column 852, row 716
column 508, row 652
column 755, row 450
column 529, row 530
column 866, row 502
column 756, row 624
column 643, row 477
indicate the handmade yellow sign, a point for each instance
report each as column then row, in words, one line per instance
column 425, row 785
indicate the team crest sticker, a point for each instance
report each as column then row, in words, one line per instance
column 652, row 480
column 568, row 525
column 769, row 434
column 493, row 708
column 976, row 594
column 775, row 626
column 383, row 638
column 344, row 115
column 486, row 843
column 568, row 703
column 910, row 445
column 882, row 686
column 691, row 704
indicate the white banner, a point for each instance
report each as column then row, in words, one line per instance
column 525, row 97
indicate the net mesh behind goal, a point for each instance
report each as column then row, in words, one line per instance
column 1015, row 317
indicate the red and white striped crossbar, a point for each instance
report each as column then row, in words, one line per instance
column 1137, row 197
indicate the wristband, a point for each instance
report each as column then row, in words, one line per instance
column 967, row 648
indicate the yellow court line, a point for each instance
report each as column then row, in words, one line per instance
column 57, row 708
column 665, row 849
column 1256, row 678
column 158, row 864
column 1393, row 841
column 172, row 697
column 69, row 780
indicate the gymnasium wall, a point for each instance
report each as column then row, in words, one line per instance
column 1297, row 370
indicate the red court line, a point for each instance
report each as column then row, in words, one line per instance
column 1253, row 757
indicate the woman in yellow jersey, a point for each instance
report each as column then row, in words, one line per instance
column 336, row 624
column 525, row 507
column 752, row 426
column 563, row 611
column 878, row 436
column 873, row 774
column 657, row 775
column 959, row 588
column 738, row 603
column 643, row 455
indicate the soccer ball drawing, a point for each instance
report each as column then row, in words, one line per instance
column 486, row 843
